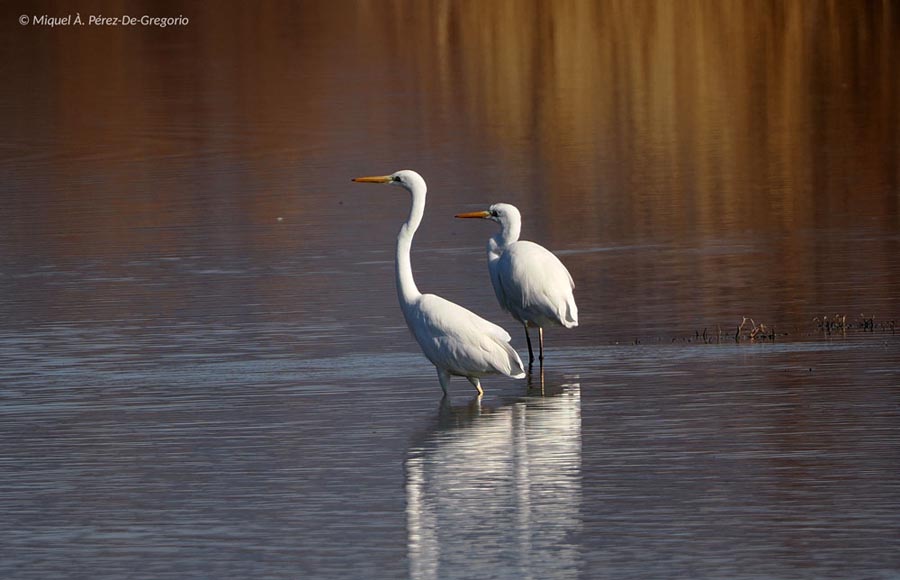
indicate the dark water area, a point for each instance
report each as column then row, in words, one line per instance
column 204, row 371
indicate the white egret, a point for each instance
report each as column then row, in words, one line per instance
column 456, row 341
column 530, row 282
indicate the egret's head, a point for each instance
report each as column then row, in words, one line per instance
column 502, row 213
column 405, row 178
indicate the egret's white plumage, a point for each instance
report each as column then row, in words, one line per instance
column 455, row 340
column 530, row 282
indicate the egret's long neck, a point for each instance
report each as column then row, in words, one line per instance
column 509, row 232
column 406, row 285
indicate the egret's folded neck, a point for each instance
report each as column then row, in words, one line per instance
column 508, row 234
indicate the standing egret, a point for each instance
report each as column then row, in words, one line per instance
column 455, row 340
column 529, row 281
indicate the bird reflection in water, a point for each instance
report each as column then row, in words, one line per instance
column 499, row 486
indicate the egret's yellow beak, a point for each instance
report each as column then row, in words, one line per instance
column 376, row 179
column 474, row 214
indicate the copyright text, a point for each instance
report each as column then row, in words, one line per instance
column 101, row 20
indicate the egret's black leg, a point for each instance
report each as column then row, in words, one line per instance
column 530, row 352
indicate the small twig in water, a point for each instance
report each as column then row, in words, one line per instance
column 737, row 335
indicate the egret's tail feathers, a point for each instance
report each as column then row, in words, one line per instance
column 570, row 313
column 516, row 369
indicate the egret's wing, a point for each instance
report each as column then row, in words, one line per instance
column 459, row 340
column 451, row 319
column 535, row 284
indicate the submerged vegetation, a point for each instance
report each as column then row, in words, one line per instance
column 838, row 324
column 749, row 330
column 754, row 331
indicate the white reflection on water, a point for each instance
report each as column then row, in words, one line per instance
column 498, row 488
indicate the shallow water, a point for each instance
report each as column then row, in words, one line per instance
column 205, row 373
column 763, row 460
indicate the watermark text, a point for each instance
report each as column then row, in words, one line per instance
column 124, row 20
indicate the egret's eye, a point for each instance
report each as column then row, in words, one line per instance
column 396, row 178
column 495, row 213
